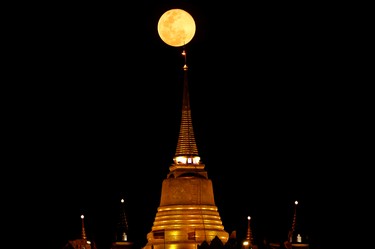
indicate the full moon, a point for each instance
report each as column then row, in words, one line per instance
column 176, row 27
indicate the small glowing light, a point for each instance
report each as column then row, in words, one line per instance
column 296, row 202
column 122, row 200
column 299, row 238
column 196, row 160
column 248, row 217
column 82, row 216
column 245, row 243
column 180, row 159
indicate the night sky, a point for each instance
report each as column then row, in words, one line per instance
column 99, row 119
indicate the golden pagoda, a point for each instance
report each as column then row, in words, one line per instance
column 187, row 215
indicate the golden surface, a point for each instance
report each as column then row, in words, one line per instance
column 187, row 215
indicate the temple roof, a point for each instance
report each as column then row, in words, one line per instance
column 186, row 145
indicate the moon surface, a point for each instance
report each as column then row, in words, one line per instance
column 176, row 27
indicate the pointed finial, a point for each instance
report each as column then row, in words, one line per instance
column 83, row 227
column 122, row 233
column 290, row 234
column 294, row 216
column 249, row 238
column 249, row 235
column 185, row 59
column 186, row 152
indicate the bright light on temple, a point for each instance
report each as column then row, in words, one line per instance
column 187, row 160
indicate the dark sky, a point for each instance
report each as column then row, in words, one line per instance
column 100, row 116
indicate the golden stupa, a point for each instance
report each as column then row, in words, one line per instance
column 187, row 214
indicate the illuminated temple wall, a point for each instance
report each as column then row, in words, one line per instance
column 187, row 215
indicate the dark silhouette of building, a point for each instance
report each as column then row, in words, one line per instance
column 293, row 240
column 122, row 230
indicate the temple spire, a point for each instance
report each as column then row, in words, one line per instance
column 82, row 242
column 249, row 241
column 122, row 226
column 83, row 233
column 187, row 215
column 249, row 236
column 186, row 151
column 291, row 231
column 122, row 231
